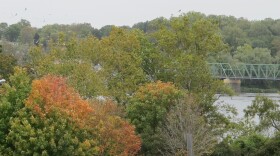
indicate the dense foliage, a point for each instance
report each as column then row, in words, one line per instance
column 55, row 120
column 141, row 90
column 147, row 112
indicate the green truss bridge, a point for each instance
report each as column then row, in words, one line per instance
column 245, row 71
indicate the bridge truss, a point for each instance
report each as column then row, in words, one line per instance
column 246, row 71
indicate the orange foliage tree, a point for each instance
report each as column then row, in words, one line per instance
column 115, row 135
column 51, row 92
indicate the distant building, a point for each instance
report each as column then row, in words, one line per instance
column 2, row 81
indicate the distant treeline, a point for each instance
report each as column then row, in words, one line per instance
column 247, row 41
column 236, row 32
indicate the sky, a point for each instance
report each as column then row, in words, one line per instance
column 128, row 12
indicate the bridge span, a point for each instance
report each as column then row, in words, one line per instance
column 245, row 71
column 233, row 73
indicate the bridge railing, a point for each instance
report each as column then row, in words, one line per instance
column 246, row 71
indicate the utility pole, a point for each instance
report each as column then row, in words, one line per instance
column 189, row 136
column 190, row 144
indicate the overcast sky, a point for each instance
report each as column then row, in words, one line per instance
column 128, row 12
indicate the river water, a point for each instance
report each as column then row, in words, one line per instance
column 241, row 101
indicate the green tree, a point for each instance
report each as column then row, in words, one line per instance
column 26, row 35
column 105, row 30
column 184, row 47
column 247, row 54
column 260, row 34
column 3, row 27
column 151, row 26
column 81, row 30
column 190, row 37
column 275, row 49
column 234, row 36
column 74, row 59
column 11, row 100
column 267, row 111
column 53, row 135
column 249, row 145
column 141, row 26
column 113, row 63
column 7, row 63
column 270, row 148
column 121, row 63
column 147, row 111
column 220, row 57
column 152, row 60
column 12, row 33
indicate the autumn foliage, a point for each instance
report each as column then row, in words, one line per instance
column 160, row 92
column 51, row 93
column 117, row 135
column 113, row 135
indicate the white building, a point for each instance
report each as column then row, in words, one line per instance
column 2, row 81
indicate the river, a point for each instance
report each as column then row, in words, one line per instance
column 241, row 101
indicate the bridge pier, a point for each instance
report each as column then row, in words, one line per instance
column 235, row 84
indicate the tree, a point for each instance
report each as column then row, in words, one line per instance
column 12, row 33
column 24, row 23
column 7, row 63
column 220, row 57
column 12, row 98
column 260, row 34
column 247, row 54
column 189, row 34
column 249, row 144
column 152, row 60
column 184, row 47
column 95, row 32
column 55, row 134
column 57, row 121
column 105, row 30
column 275, row 46
column 141, row 26
column 267, row 111
column 3, row 27
column 51, row 92
column 121, row 63
column 116, row 136
column 81, row 30
column 147, row 111
column 184, row 119
column 74, row 59
column 253, row 142
column 26, row 35
column 234, row 36
column 117, row 56
column 270, row 148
